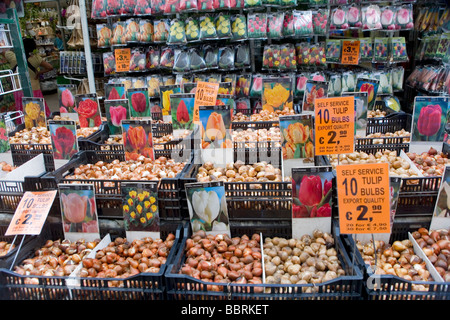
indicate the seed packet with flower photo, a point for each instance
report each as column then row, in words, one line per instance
column 138, row 103
column 215, row 127
column 371, row 87
column 381, row 50
column 116, row 111
column 366, row 49
column 277, row 93
column 398, row 49
column 140, row 210
column 115, row 91
column 138, row 139
column 88, row 110
column 297, row 141
column 34, row 112
column 208, row 207
column 165, row 92
column 314, row 89
column 360, row 111
column 182, row 112
column 429, row 119
column 66, row 95
column 79, row 211
column 312, row 189
column 64, row 138
column 333, row 50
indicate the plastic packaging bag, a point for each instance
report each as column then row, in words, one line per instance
column 339, row 19
column 381, row 49
column 181, row 61
column 211, row 56
column 196, row 60
column 275, row 22
column 320, row 21
column 142, row 8
column 333, row 53
column 104, row 35
column 167, row 58
column 118, row 34
column 238, row 27
column 109, row 63
column 98, row 9
column 192, row 29
column 226, row 58
column 177, row 32
column 132, row 30
column 153, row 55
column 161, row 30
column 137, row 59
column 287, row 54
column 271, row 57
column 223, row 26
column 371, row 17
column 242, row 57
column 303, row 23
column 207, row 28
column 388, row 18
column 145, row 30
column 257, row 26
column 398, row 49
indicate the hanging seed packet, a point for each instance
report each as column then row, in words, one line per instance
column 104, row 35
column 371, row 17
column 132, row 31
column 271, row 57
column 444, row 44
column 288, row 3
column 186, row 6
column 116, row 111
column 300, row 84
column 302, row 23
column 339, row 18
column 243, row 83
column 354, row 17
column 381, row 49
column 335, row 85
column 113, row 7
column 114, row 91
column 223, row 26
column 348, row 81
column 271, row 3
column 333, row 53
column 317, row 2
column 142, row 8
column 181, row 61
column 365, row 49
column 405, row 17
column 167, row 58
column 288, row 24
column 128, row 7
column 320, row 22
column 137, row 59
column 109, row 63
column 139, row 82
column 161, row 30
column 238, row 27
column 171, row 6
column 205, row 5
column 252, row 4
column 207, row 28
column 398, row 74
column 177, row 32
column 226, row 58
column 242, row 58
column 371, row 87
column 153, row 55
column 275, row 25
column 398, row 49
column 257, row 26
column 287, row 57
column 98, row 9
column 192, row 29
column 316, row 54
column 314, row 89
column 118, row 34
column 211, row 56
column 157, row 6
column 385, row 85
column 301, row 52
column 388, row 17
column 145, row 30
column 197, row 63
column 256, row 88
column 188, row 87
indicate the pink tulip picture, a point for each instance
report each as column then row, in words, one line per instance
column 116, row 111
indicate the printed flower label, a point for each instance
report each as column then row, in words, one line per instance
column 364, row 198
column 64, row 140
column 88, row 110
column 334, row 125
column 79, row 211
column 31, row 213
column 138, row 139
column 34, row 112
column 312, row 189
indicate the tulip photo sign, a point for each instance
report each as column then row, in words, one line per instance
column 277, row 94
column 140, row 209
column 314, row 89
column 137, row 139
column 182, row 112
column 297, row 141
column 215, row 130
column 208, row 207
column 312, row 189
column 64, row 140
column 88, row 110
column 79, row 211
column 66, row 95
column 138, row 103
column 164, row 93
column 34, row 112
column 429, row 120
column 371, row 87
column 441, row 214
column 360, row 111
column 115, row 91
column 116, row 111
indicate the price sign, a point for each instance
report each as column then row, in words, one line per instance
column 31, row 213
column 363, row 198
column 122, row 57
column 205, row 95
column 350, row 52
column 334, row 125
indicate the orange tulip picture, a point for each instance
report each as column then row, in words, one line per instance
column 216, row 121
column 137, row 139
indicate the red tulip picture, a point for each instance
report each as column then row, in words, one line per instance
column 429, row 121
column 311, row 194
column 63, row 141
column 117, row 114
column 139, row 104
column 88, row 113
column 113, row 94
column 182, row 113
column 67, row 99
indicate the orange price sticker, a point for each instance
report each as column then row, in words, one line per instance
column 205, row 95
column 350, row 52
column 363, row 198
column 31, row 213
column 334, row 125
column 122, row 57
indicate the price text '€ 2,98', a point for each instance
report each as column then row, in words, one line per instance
column 363, row 198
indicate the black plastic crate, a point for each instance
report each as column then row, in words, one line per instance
column 108, row 192
column 390, row 287
column 183, row 287
column 244, row 125
column 390, row 123
column 143, row 286
column 256, row 151
column 360, row 145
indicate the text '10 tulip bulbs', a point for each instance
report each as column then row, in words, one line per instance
column 430, row 118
